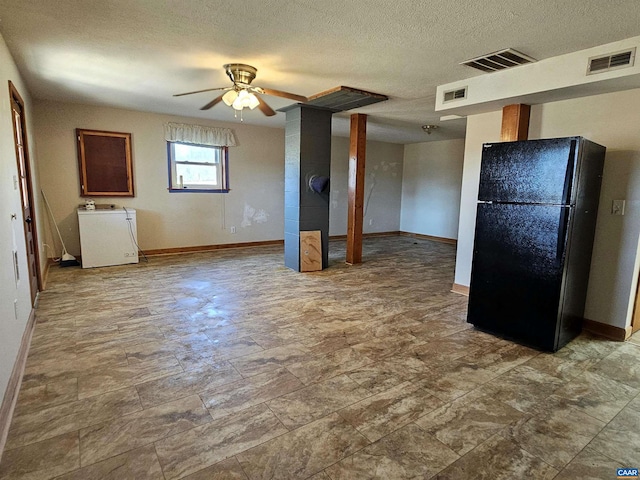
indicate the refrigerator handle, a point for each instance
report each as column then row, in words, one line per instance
column 563, row 226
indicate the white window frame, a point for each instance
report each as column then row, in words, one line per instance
column 222, row 170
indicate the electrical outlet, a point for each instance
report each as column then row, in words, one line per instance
column 617, row 207
column 371, row 221
column 232, row 230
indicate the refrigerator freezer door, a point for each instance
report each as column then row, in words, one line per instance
column 535, row 171
column 517, row 272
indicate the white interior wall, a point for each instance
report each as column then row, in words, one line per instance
column 431, row 185
column 170, row 220
column 382, row 186
column 480, row 129
column 12, row 320
column 612, row 120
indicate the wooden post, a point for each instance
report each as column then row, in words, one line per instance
column 515, row 122
column 357, row 155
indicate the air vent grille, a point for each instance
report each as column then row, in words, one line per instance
column 455, row 94
column 500, row 60
column 612, row 61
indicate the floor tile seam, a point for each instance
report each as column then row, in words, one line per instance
column 587, row 413
column 371, row 394
column 628, row 384
column 198, row 392
column 600, row 452
column 155, row 451
column 433, row 437
column 354, row 427
column 155, row 442
column 266, row 404
column 584, row 412
column 501, row 429
column 517, row 445
column 560, row 470
column 235, row 457
column 49, row 439
column 83, row 427
column 138, row 412
column 606, row 377
column 142, row 362
column 503, row 433
column 36, row 409
column 91, row 397
column 128, row 450
column 332, row 375
column 128, row 384
column 369, row 443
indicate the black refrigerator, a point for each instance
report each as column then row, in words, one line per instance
column 535, row 224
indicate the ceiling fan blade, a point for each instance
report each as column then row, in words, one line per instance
column 280, row 93
column 201, row 91
column 264, row 108
column 212, row 103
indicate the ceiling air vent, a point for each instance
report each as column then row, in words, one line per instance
column 458, row 94
column 501, row 60
column 612, row 61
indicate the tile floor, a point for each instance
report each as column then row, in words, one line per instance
column 226, row 365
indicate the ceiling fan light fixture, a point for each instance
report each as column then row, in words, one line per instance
column 242, row 94
column 253, row 101
column 245, row 99
column 239, row 102
column 229, row 97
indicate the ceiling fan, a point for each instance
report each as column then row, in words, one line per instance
column 242, row 94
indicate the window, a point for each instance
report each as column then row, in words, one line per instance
column 197, row 168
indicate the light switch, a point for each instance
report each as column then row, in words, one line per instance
column 617, row 207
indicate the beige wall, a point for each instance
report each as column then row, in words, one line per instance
column 382, row 186
column 612, row 120
column 167, row 220
column 12, row 320
column 431, row 185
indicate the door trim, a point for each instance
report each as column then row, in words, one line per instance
column 14, row 95
column 635, row 319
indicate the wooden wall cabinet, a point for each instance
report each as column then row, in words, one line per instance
column 105, row 164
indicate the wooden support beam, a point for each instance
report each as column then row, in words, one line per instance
column 357, row 155
column 515, row 122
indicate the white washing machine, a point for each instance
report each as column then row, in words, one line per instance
column 108, row 237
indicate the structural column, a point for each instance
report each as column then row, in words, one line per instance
column 307, row 154
column 357, row 154
column 515, row 122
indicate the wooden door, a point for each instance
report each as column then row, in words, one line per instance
column 26, row 191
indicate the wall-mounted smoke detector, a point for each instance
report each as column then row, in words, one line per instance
column 457, row 94
column 500, row 60
column 612, row 61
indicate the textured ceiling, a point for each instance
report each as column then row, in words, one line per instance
column 136, row 54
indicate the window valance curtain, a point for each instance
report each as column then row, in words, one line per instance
column 214, row 136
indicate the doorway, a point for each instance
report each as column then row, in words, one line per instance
column 26, row 189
